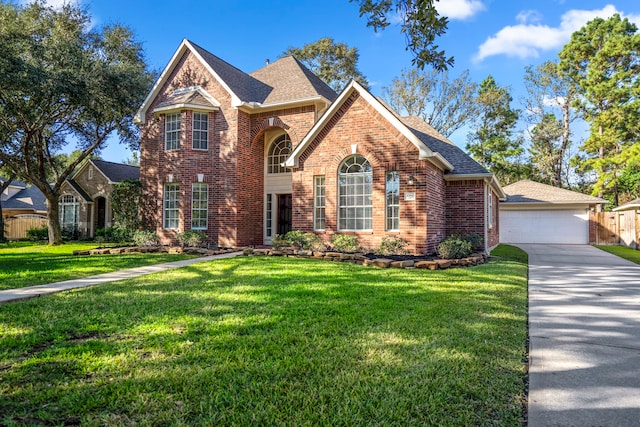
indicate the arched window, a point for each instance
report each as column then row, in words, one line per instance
column 69, row 211
column 355, row 188
column 279, row 152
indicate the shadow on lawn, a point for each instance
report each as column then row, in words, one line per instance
column 249, row 341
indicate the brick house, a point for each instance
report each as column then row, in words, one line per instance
column 85, row 200
column 244, row 157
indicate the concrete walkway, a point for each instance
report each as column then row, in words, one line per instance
column 584, row 327
column 51, row 288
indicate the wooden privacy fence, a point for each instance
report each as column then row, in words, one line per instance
column 617, row 228
column 16, row 227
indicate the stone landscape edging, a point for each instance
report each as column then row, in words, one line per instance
column 361, row 259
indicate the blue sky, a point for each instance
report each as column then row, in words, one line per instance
column 496, row 37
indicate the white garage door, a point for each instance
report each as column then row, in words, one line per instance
column 559, row 226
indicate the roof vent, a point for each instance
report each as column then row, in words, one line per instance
column 267, row 61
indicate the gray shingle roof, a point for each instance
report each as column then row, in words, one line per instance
column 192, row 97
column 292, row 80
column 246, row 87
column 80, row 190
column 463, row 164
column 14, row 183
column 117, row 172
column 28, row 198
column 527, row 191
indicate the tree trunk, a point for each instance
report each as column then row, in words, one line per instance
column 53, row 215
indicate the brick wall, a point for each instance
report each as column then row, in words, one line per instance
column 422, row 221
column 465, row 207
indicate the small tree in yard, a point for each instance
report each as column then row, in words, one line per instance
column 125, row 200
column 63, row 82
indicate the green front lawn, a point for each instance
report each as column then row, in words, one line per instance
column 272, row 341
column 623, row 252
column 27, row 264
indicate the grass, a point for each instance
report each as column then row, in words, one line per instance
column 272, row 341
column 27, row 264
column 623, row 252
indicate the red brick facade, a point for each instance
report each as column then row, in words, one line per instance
column 233, row 166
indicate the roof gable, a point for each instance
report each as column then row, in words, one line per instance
column 221, row 71
column 424, row 151
column 527, row 191
column 634, row 204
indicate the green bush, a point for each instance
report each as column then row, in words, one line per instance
column 38, row 233
column 454, row 247
column 145, row 238
column 192, row 238
column 307, row 241
column 279, row 242
column 112, row 234
column 345, row 243
column 476, row 240
column 392, row 245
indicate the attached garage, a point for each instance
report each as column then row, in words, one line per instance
column 540, row 213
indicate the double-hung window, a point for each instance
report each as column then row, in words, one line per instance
column 393, row 201
column 172, row 131
column 318, row 203
column 170, row 206
column 199, row 208
column 200, row 131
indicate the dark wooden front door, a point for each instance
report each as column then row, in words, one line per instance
column 284, row 213
column 101, row 212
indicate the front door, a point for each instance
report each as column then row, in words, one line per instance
column 284, row 213
column 101, row 214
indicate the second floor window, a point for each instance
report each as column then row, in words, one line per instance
column 172, row 131
column 279, row 152
column 200, row 131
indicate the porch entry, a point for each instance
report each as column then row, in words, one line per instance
column 284, row 213
column 101, row 212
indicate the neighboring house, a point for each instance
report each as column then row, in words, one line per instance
column 540, row 213
column 85, row 198
column 21, row 199
column 23, row 207
column 244, row 157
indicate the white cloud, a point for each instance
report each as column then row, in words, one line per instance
column 459, row 9
column 527, row 40
column 529, row 16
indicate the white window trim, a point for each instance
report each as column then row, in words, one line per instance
column 194, row 130
column 206, row 208
column 358, row 206
column 172, row 131
column 274, row 161
column 387, row 205
column 164, row 208
column 315, row 202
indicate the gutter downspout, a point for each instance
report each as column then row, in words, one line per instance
column 486, row 221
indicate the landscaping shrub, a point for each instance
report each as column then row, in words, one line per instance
column 70, row 232
column 454, row 247
column 192, row 238
column 279, row 242
column 38, row 233
column 145, row 238
column 345, row 243
column 392, row 245
column 476, row 240
column 112, row 234
column 306, row 241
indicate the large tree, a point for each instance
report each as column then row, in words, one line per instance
column 492, row 142
column 420, row 23
column 335, row 63
column 550, row 112
column 603, row 62
column 445, row 104
column 62, row 84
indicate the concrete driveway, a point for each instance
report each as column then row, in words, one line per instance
column 584, row 327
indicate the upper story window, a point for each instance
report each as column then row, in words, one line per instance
column 355, row 190
column 279, row 152
column 172, row 131
column 200, row 131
